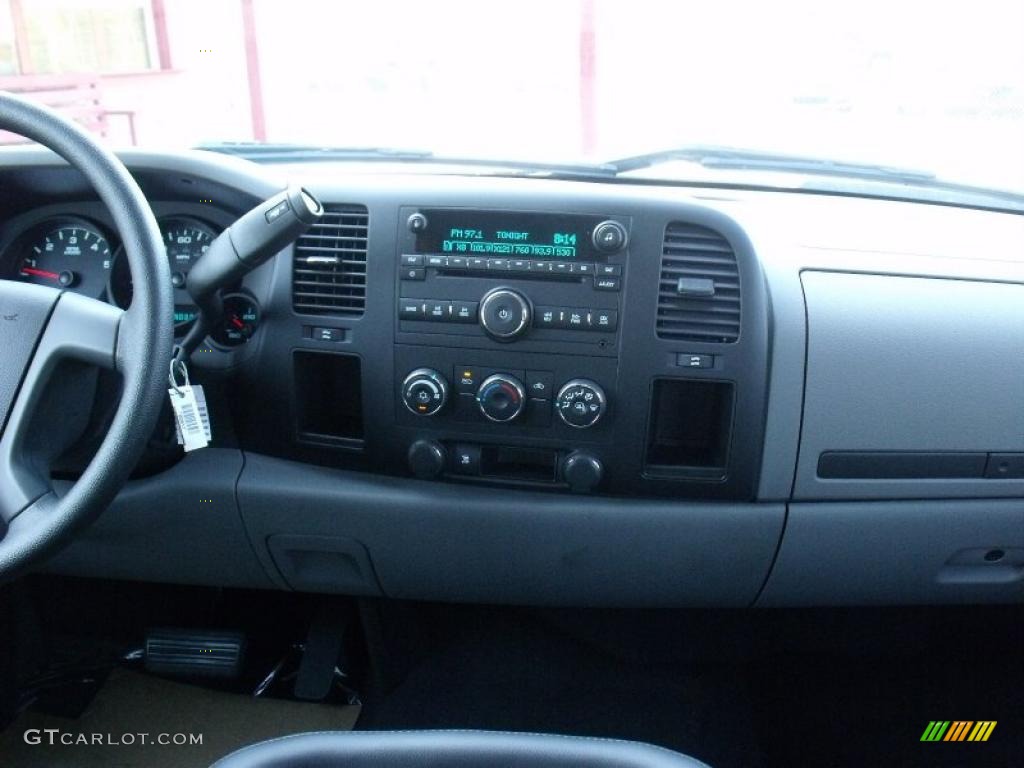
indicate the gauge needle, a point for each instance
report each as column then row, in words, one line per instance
column 40, row 273
column 236, row 322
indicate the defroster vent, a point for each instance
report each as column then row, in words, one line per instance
column 699, row 293
column 329, row 272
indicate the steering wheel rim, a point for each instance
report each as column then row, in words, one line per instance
column 41, row 326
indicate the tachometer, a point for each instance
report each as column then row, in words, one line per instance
column 67, row 253
column 186, row 240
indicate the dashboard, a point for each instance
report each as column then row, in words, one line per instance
column 487, row 388
column 74, row 247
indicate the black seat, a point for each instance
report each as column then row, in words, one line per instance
column 451, row 749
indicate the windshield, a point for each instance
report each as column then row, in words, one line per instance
column 933, row 89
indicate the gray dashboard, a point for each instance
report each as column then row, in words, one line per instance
column 878, row 430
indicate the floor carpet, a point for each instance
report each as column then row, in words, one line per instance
column 133, row 703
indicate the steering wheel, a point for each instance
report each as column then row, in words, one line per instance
column 41, row 327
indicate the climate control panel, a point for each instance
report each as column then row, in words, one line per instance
column 503, row 397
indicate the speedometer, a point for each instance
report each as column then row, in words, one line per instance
column 185, row 240
column 67, row 253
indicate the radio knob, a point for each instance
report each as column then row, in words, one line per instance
column 581, row 403
column 504, row 314
column 609, row 237
column 424, row 392
column 417, row 223
column 501, row 397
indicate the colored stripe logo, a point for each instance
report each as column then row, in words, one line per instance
column 958, row 730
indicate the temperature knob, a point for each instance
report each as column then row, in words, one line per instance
column 580, row 403
column 424, row 392
column 501, row 397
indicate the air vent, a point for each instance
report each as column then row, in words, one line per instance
column 699, row 293
column 329, row 272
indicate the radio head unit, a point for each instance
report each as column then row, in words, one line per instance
column 570, row 237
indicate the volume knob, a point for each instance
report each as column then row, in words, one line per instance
column 504, row 314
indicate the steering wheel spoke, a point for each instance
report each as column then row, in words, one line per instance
column 77, row 328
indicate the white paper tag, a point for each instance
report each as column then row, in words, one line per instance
column 191, row 421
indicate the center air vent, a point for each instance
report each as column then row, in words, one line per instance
column 329, row 272
column 699, row 293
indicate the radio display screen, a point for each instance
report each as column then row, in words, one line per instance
column 508, row 233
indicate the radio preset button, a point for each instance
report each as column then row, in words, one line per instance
column 545, row 317
column 464, row 311
column 504, row 314
column 477, row 263
column 458, row 262
column 519, row 265
column 410, row 309
column 562, row 268
column 603, row 319
column 438, row 310
column 540, row 266
column 437, row 261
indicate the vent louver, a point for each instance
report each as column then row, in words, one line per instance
column 699, row 292
column 329, row 270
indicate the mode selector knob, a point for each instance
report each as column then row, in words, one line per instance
column 504, row 314
column 501, row 397
column 424, row 392
column 581, row 403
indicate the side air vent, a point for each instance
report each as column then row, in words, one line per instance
column 699, row 293
column 329, row 272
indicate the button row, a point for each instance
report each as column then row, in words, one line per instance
column 439, row 311
column 576, row 319
column 414, row 263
